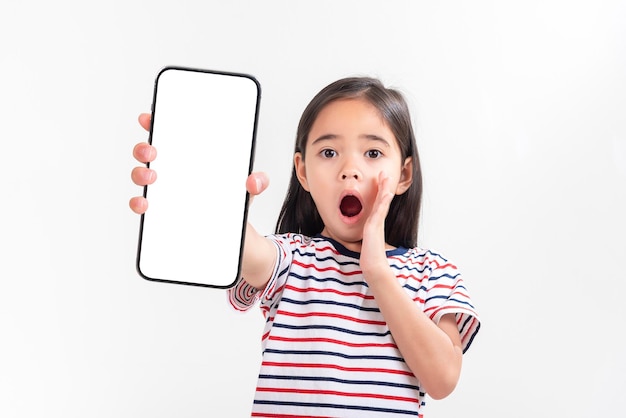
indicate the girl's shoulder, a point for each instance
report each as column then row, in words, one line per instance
column 427, row 254
column 426, row 258
column 292, row 239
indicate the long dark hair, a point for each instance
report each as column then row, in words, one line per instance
column 299, row 213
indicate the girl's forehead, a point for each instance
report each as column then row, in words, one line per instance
column 351, row 113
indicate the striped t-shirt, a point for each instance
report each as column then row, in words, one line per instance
column 327, row 350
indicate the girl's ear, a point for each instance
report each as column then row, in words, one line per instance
column 406, row 176
column 298, row 163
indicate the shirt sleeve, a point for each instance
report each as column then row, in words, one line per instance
column 446, row 293
column 243, row 296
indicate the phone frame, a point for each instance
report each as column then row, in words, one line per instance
column 154, row 116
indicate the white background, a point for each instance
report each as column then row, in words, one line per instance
column 519, row 109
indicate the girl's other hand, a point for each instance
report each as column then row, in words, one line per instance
column 142, row 176
column 373, row 257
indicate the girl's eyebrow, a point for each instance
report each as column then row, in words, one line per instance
column 377, row 138
column 324, row 138
column 370, row 137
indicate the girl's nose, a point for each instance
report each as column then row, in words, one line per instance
column 350, row 168
column 349, row 174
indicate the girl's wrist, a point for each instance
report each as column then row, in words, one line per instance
column 378, row 273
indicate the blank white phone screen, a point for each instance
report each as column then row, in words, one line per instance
column 204, row 128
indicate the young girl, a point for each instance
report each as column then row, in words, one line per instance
column 359, row 321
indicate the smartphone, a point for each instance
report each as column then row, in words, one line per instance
column 203, row 126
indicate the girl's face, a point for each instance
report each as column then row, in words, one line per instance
column 348, row 147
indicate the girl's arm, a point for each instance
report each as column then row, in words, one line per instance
column 259, row 253
column 432, row 351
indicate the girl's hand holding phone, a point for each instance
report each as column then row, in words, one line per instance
column 143, row 176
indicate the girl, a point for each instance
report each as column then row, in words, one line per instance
column 359, row 321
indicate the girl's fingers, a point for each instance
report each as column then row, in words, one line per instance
column 373, row 247
column 257, row 183
column 142, row 176
column 144, row 152
column 144, row 120
column 138, row 204
column 383, row 200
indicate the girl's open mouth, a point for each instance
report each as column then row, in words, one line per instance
column 350, row 206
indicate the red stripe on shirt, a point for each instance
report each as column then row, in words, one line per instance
column 336, row 367
column 330, row 315
column 313, row 289
column 330, row 340
column 335, row 269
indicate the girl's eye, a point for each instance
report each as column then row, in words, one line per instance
column 374, row 153
column 328, row 153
